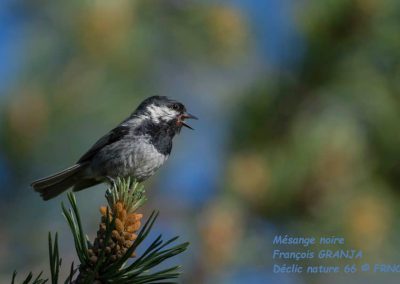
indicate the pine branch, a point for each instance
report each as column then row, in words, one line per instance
column 55, row 260
column 28, row 279
column 105, row 260
column 124, row 198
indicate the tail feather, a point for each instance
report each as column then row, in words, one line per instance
column 52, row 186
column 56, row 189
column 85, row 183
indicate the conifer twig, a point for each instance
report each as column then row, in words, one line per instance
column 105, row 260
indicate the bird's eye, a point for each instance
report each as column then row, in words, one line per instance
column 175, row 106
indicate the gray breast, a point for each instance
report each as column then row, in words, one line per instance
column 144, row 160
column 132, row 156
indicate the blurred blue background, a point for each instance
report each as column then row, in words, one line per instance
column 298, row 133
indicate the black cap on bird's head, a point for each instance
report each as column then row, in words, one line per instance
column 161, row 109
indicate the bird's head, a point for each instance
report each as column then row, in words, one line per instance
column 162, row 110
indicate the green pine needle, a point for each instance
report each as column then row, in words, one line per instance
column 55, row 260
column 28, row 279
column 140, row 271
column 128, row 191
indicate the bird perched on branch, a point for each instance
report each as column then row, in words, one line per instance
column 135, row 148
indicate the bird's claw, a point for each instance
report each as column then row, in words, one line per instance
column 111, row 180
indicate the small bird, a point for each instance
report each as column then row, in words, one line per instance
column 135, row 148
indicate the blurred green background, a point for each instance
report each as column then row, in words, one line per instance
column 298, row 134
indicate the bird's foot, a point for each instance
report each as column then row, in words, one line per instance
column 111, row 180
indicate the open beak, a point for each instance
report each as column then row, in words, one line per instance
column 187, row 116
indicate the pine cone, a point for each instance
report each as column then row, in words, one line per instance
column 122, row 237
column 124, row 198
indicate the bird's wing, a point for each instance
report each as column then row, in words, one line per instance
column 114, row 135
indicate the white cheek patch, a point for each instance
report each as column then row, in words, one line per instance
column 163, row 112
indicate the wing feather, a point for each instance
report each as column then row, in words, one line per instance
column 114, row 135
